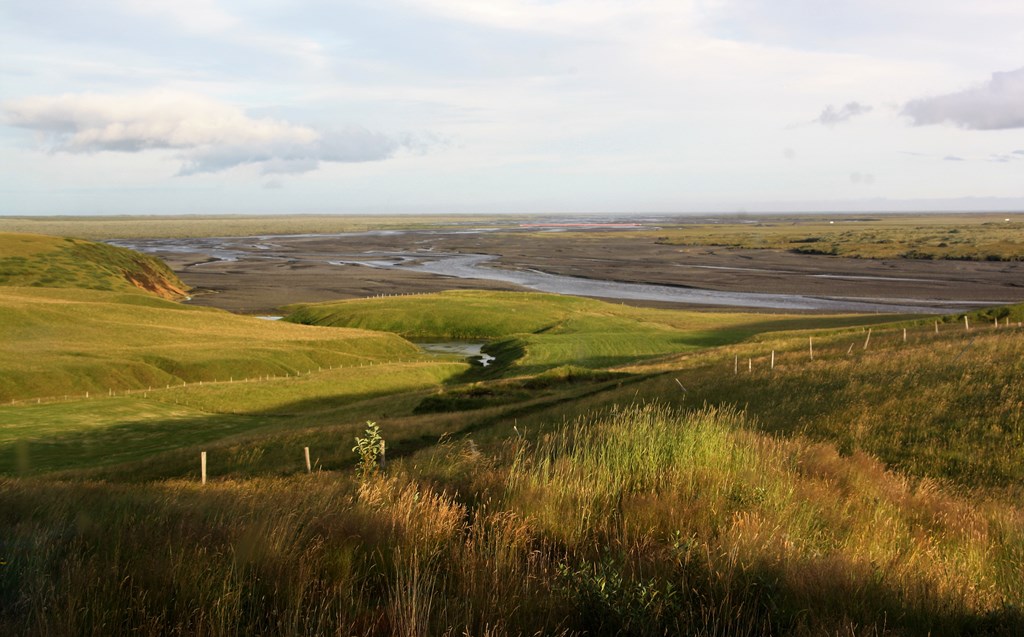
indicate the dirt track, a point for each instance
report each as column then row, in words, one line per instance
column 272, row 272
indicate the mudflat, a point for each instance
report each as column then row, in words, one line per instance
column 261, row 274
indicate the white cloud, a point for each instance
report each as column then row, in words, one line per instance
column 832, row 116
column 997, row 104
column 210, row 135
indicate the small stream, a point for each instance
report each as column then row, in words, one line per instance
column 470, row 349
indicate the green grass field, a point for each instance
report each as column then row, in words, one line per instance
column 68, row 342
column 541, row 331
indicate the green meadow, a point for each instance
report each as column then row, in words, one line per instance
column 616, row 471
column 532, row 332
column 68, row 342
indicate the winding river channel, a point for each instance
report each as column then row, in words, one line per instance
column 483, row 266
column 475, row 266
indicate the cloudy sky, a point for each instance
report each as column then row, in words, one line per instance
column 275, row 106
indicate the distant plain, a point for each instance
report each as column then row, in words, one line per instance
column 276, row 261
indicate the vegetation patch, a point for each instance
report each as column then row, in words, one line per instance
column 961, row 237
column 28, row 260
column 69, row 342
column 533, row 332
column 640, row 520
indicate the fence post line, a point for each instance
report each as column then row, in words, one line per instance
column 309, row 467
column 202, row 465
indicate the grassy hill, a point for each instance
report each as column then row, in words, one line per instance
column 73, row 341
column 31, row 260
column 541, row 331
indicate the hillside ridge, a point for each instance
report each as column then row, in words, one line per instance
column 33, row 260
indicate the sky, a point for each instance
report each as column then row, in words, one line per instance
column 510, row 106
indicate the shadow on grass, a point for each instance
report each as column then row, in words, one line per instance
column 270, row 443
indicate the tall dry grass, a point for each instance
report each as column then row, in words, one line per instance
column 634, row 521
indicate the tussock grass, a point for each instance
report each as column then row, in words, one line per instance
column 639, row 520
column 947, row 407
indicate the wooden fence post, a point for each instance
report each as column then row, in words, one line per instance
column 309, row 467
column 868, row 339
column 810, row 346
column 967, row 325
column 773, row 359
column 736, row 365
column 202, row 465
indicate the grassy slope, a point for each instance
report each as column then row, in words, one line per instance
column 551, row 330
column 681, row 523
column 72, row 341
column 946, row 406
column 53, row 262
column 199, row 376
column 109, row 431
